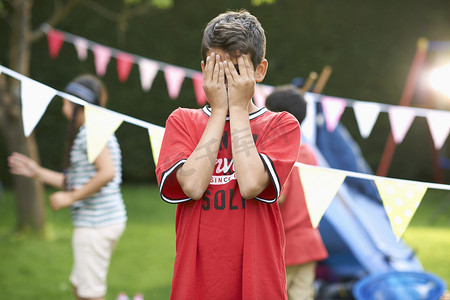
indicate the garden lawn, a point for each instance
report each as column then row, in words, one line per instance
column 38, row 268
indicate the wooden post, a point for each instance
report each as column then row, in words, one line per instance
column 323, row 78
column 405, row 100
column 309, row 82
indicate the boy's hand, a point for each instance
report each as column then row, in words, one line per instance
column 214, row 82
column 59, row 200
column 241, row 86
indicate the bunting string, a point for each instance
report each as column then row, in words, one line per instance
column 79, row 101
column 88, row 44
column 431, row 185
column 366, row 112
column 400, row 197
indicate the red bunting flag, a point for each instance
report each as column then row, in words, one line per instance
column 55, row 40
column 124, row 65
column 197, row 80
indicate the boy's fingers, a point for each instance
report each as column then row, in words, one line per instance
column 242, row 67
column 215, row 77
column 227, row 70
column 248, row 68
column 209, row 67
column 231, row 68
column 221, row 73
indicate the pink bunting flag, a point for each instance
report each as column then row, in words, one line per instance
column 261, row 93
column 147, row 70
column 124, row 64
column 400, row 118
column 200, row 95
column 55, row 40
column 81, row 45
column 333, row 108
column 174, row 79
column 439, row 124
column 102, row 56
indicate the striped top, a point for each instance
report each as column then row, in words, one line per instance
column 106, row 207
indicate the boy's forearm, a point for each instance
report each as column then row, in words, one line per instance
column 251, row 174
column 195, row 174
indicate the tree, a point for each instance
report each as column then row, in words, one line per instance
column 18, row 15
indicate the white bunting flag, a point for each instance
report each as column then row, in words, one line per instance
column 439, row 124
column 318, row 195
column 333, row 108
column 35, row 99
column 100, row 125
column 174, row 79
column 81, row 45
column 156, row 136
column 147, row 70
column 400, row 118
column 366, row 114
column 400, row 201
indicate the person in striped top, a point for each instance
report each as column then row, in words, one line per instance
column 91, row 190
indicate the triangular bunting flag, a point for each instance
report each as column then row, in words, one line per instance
column 400, row 118
column 309, row 123
column 81, row 45
column 174, row 79
column 35, row 100
column 197, row 81
column 439, row 124
column 366, row 115
column 102, row 56
column 147, row 70
column 124, row 63
column 332, row 109
column 100, row 125
column 261, row 93
column 55, row 40
column 400, row 201
column 318, row 195
column 156, row 136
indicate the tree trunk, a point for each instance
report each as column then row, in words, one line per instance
column 29, row 192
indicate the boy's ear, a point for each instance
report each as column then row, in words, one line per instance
column 203, row 66
column 261, row 70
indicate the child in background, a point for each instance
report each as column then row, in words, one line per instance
column 91, row 190
column 304, row 246
column 224, row 166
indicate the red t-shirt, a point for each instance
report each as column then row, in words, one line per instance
column 303, row 242
column 228, row 247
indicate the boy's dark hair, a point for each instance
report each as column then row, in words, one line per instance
column 235, row 32
column 287, row 98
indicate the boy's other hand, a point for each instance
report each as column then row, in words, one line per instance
column 214, row 82
column 241, row 85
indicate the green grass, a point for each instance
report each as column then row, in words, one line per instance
column 38, row 268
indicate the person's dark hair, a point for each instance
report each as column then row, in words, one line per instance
column 90, row 89
column 287, row 98
column 235, row 32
